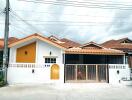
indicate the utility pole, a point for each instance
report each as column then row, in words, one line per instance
column 6, row 35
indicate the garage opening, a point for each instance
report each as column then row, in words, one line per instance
column 88, row 67
column 86, row 73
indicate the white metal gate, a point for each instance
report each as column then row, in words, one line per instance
column 86, row 73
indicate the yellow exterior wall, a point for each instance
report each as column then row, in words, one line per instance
column 54, row 72
column 26, row 54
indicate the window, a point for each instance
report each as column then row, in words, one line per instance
column 50, row 60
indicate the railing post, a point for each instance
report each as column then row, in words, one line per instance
column 97, row 77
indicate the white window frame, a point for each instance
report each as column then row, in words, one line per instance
column 50, row 57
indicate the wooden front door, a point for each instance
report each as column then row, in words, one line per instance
column 55, row 72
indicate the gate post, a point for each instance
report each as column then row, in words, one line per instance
column 107, row 73
column 86, row 72
column 64, row 73
column 97, row 76
column 76, row 73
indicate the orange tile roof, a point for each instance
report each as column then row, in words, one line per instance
column 94, row 51
column 68, row 43
column 37, row 36
column 118, row 44
column 93, row 48
column 11, row 40
column 91, row 45
column 63, row 43
column 89, row 48
column 1, row 44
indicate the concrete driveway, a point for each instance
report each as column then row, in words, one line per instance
column 67, row 91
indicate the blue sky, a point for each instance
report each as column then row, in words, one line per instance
column 81, row 24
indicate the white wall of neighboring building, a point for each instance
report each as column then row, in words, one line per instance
column 115, row 77
column 23, row 75
column 12, row 56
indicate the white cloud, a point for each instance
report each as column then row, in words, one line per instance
column 96, row 24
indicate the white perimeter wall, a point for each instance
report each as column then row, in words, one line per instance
column 114, row 77
column 17, row 75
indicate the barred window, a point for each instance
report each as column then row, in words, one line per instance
column 50, row 60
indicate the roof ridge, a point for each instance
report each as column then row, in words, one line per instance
column 94, row 43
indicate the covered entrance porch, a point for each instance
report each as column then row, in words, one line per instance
column 90, row 68
column 90, row 62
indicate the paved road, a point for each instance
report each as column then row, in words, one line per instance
column 66, row 92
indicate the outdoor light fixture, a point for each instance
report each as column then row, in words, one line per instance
column 50, row 53
column 32, row 70
column 118, row 71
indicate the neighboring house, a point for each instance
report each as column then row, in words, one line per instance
column 1, row 51
column 11, row 40
column 124, row 45
column 38, row 59
column 65, row 42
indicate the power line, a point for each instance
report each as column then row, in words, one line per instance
column 104, row 1
column 80, row 2
column 27, row 23
column 64, row 23
column 45, row 21
column 16, row 23
column 42, row 21
column 2, row 11
column 30, row 25
column 90, row 5
column 91, row 2
column 75, row 15
column 18, row 29
column 87, row 24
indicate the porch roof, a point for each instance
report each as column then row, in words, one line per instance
column 104, row 51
